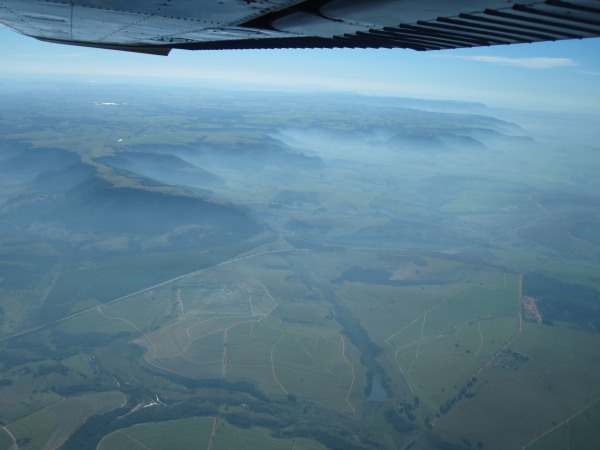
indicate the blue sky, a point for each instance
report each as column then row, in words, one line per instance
column 562, row 76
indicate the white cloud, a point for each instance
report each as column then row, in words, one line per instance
column 529, row 63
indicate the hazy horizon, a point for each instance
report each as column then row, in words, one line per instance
column 561, row 75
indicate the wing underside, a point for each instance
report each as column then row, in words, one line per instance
column 157, row 26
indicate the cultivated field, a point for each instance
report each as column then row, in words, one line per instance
column 49, row 427
column 199, row 432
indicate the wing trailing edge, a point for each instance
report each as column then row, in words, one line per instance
column 156, row 26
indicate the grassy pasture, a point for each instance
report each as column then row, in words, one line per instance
column 208, row 348
column 36, row 384
column 327, row 265
column 126, row 275
column 296, row 359
column 197, row 432
column 495, row 332
column 474, row 201
column 240, row 295
column 272, row 272
column 249, row 353
column 557, row 439
column 472, row 304
column 200, row 307
column 464, row 341
column 80, row 363
column 141, row 310
column 409, row 335
column 384, row 310
column 5, row 440
column 94, row 321
column 437, row 379
column 177, row 335
column 21, row 402
column 228, row 437
column 82, row 285
column 587, row 275
column 37, row 428
column 308, row 313
column 558, row 380
column 584, row 428
column 165, row 137
column 313, row 367
column 442, row 366
column 183, row 433
column 49, row 427
column 202, row 357
column 439, row 351
column 452, row 337
column 406, row 355
column 579, row 431
column 585, row 248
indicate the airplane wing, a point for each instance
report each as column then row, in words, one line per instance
column 157, row 26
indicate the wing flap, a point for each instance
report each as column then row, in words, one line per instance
column 252, row 24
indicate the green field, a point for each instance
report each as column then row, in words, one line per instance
column 199, row 433
column 21, row 402
column 49, row 427
column 579, row 431
column 552, row 363
column 439, row 335
column 183, row 433
column 306, row 362
column 6, row 441
column 479, row 202
column 229, row 437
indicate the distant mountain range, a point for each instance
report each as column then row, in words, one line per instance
column 164, row 167
column 56, row 196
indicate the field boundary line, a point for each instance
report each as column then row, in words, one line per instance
column 403, row 374
column 352, row 368
column 225, row 331
column 514, row 229
column 480, row 339
column 420, row 337
column 419, row 342
column 134, row 439
column 14, row 445
column 145, row 335
column 387, row 340
column 273, row 364
column 561, row 424
column 149, row 288
column 312, row 358
column 268, row 293
column 212, row 433
column 515, row 335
